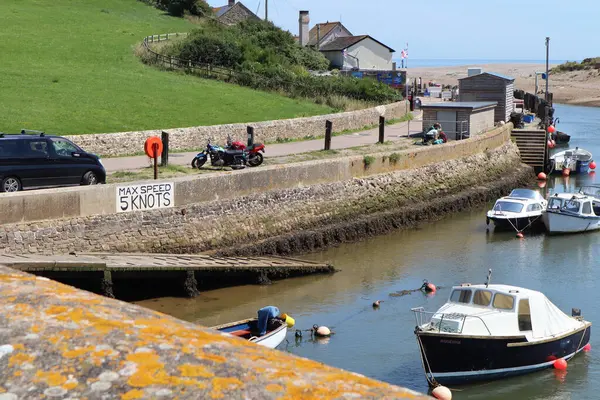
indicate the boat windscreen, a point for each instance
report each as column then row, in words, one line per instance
column 508, row 206
column 524, row 194
column 572, row 205
column 555, row 202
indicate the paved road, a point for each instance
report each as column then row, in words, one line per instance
column 392, row 133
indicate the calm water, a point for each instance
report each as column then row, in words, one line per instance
column 380, row 343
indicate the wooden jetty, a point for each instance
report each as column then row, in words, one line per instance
column 162, row 269
column 533, row 147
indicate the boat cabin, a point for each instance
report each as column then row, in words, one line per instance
column 499, row 310
column 575, row 203
column 519, row 201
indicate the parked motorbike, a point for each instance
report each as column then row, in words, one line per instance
column 254, row 156
column 220, row 157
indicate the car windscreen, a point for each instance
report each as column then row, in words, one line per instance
column 508, row 206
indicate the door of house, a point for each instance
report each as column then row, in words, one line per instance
column 448, row 121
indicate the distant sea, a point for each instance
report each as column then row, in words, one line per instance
column 450, row 63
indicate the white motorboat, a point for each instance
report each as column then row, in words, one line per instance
column 248, row 329
column 575, row 160
column 486, row 332
column 572, row 212
column 520, row 210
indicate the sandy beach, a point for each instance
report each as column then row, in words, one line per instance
column 578, row 87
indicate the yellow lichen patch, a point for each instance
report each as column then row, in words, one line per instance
column 24, row 308
column 274, row 388
column 224, row 384
column 55, row 310
column 189, row 370
column 19, row 346
column 20, row 358
column 211, row 357
column 18, row 374
column 35, row 328
column 75, row 315
column 78, row 352
column 149, row 370
column 70, row 385
column 132, row 395
column 50, row 378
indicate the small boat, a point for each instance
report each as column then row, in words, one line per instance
column 487, row 332
column 247, row 329
column 520, row 210
column 571, row 213
column 575, row 160
column 561, row 137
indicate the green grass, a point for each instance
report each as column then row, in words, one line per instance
column 69, row 67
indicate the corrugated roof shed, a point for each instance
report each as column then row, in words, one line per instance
column 505, row 77
column 461, row 104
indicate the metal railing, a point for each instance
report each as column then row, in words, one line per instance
column 423, row 317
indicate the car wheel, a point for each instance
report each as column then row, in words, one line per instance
column 11, row 184
column 89, row 178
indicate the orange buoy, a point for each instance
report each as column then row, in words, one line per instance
column 377, row 303
column 587, row 348
column 560, row 364
column 593, row 165
column 542, row 176
column 153, row 143
column 430, row 288
column 520, row 235
column 566, row 172
column 442, row 393
column 322, row 331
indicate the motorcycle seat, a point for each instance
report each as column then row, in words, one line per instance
column 255, row 145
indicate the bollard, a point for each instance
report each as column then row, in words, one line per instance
column 164, row 157
column 155, row 149
column 250, row 131
column 328, row 129
column 381, row 129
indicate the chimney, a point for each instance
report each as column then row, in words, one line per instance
column 303, row 32
column 231, row 3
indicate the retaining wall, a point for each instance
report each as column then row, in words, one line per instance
column 60, row 342
column 125, row 143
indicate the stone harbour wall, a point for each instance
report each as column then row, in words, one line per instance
column 126, row 143
column 287, row 220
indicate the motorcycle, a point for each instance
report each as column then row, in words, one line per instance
column 220, row 157
column 254, row 156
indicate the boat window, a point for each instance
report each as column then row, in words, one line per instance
column 508, row 206
column 534, row 207
column 482, row 297
column 524, row 315
column 555, row 203
column 572, row 205
column 461, row 296
column 504, row 301
column 587, row 208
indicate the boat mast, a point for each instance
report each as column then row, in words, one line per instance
column 489, row 277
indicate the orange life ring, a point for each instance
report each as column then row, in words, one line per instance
column 150, row 145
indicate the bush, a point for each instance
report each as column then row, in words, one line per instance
column 210, row 50
column 177, row 8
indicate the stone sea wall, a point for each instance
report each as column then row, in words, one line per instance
column 125, row 143
column 287, row 220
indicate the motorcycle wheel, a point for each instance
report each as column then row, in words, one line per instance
column 256, row 160
column 198, row 163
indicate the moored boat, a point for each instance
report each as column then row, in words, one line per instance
column 486, row 332
column 575, row 160
column 248, row 329
column 520, row 210
column 572, row 213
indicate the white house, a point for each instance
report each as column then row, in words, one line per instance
column 358, row 52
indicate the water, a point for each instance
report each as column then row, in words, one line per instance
column 380, row 343
column 419, row 63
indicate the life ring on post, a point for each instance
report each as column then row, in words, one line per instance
column 151, row 143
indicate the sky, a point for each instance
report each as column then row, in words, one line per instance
column 458, row 29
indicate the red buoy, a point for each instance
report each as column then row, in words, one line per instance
column 431, row 288
column 551, row 129
column 593, row 165
column 587, row 348
column 560, row 364
column 442, row 393
column 520, row 235
column 550, row 145
column 542, row 176
column 566, row 172
column 541, row 184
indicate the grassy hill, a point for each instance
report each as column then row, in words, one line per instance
column 68, row 67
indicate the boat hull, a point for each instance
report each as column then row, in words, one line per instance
column 456, row 359
column 246, row 330
column 562, row 222
column 504, row 223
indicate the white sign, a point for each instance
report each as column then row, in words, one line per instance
column 145, row 197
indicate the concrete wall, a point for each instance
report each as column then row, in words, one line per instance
column 371, row 55
column 481, row 121
column 85, row 201
column 125, row 143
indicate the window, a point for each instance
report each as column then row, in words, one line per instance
column 36, row 149
column 534, row 207
column 64, row 147
column 524, row 315
column 572, row 205
column 9, row 148
column 461, row 296
column 482, row 297
column 504, row 301
column 587, row 208
column 508, row 206
column 555, row 203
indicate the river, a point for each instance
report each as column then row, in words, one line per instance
column 380, row 342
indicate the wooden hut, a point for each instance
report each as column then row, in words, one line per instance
column 489, row 86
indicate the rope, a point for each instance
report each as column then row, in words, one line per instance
column 432, row 382
column 528, row 225
column 581, row 341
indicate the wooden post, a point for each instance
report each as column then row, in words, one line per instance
column 328, row 129
column 155, row 152
column 164, row 157
column 107, row 285
column 381, row 129
column 250, row 131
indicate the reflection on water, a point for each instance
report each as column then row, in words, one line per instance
column 380, row 342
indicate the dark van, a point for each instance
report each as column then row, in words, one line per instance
column 28, row 161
